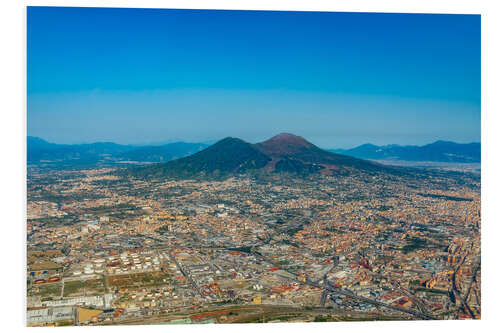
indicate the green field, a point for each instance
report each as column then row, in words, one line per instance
column 83, row 288
column 46, row 291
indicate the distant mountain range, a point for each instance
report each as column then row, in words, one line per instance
column 439, row 151
column 284, row 153
column 39, row 150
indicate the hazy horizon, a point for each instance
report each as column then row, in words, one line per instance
column 138, row 76
column 212, row 141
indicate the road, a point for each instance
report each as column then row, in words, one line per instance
column 374, row 302
column 324, row 295
column 186, row 275
column 474, row 274
column 396, row 285
column 327, row 286
column 458, row 295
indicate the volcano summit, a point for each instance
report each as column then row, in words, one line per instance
column 283, row 153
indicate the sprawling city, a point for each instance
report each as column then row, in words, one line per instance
column 104, row 248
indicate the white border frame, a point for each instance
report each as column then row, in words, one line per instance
column 13, row 139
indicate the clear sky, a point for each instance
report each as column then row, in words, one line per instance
column 337, row 79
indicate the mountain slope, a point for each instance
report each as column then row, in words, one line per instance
column 284, row 153
column 39, row 149
column 291, row 153
column 439, row 151
column 227, row 156
column 162, row 153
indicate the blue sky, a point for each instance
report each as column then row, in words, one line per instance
column 338, row 79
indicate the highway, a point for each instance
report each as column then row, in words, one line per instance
column 328, row 287
column 187, row 276
column 324, row 295
column 474, row 274
column 396, row 285
column 463, row 301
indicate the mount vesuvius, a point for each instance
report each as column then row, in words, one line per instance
column 283, row 153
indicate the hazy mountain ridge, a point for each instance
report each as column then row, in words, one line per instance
column 162, row 153
column 439, row 151
column 281, row 153
column 40, row 150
